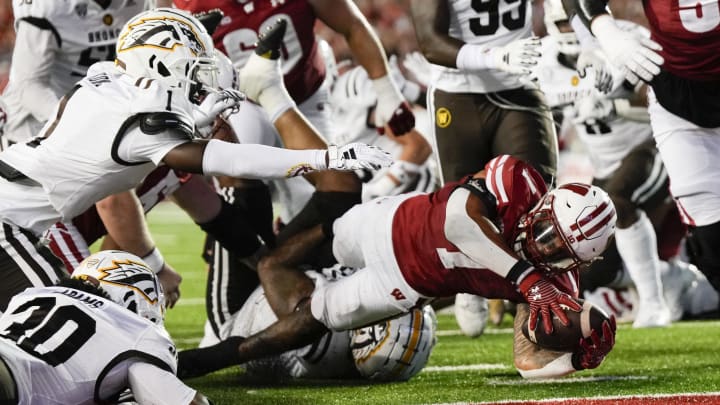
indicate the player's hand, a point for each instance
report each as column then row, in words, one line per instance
column 392, row 109
column 632, row 52
column 592, row 108
column 594, row 58
column 593, row 349
column 170, row 281
column 354, row 156
column 214, row 104
column 517, row 57
column 546, row 299
column 419, row 67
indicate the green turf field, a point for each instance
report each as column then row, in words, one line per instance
column 684, row 358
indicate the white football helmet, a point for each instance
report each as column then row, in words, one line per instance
column 227, row 74
column 168, row 45
column 567, row 41
column 396, row 349
column 128, row 280
column 569, row 228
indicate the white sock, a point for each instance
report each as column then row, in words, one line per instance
column 637, row 246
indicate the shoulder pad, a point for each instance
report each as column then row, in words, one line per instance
column 478, row 188
column 149, row 95
column 156, row 122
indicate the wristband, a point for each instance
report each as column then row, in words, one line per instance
column 474, row 57
column 154, row 260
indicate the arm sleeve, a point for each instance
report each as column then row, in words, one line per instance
column 153, row 385
column 462, row 231
column 259, row 161
column 33, row 57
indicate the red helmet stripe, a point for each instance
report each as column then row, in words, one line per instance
column 577, row 188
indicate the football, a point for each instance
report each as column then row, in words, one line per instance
column 566, row 338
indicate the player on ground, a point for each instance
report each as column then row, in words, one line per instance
column 478, row 102
column 616, row 132
column 497, row 234
column 393, row 350
column 682, row 64
column 145, row 100
column 89, row 338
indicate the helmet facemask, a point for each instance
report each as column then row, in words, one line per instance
column 540, row 240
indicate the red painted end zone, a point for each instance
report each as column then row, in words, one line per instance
column 713, row 398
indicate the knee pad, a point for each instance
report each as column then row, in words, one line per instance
column 702, row 244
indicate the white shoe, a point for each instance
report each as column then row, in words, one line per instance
column 677, row 277
column 652, row 314
column 471, row 314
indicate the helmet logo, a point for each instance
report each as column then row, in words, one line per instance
column 592, row 220
column 142, row 33
column 132, row 275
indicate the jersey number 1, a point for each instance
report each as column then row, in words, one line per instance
column 76, row 328
column 489, row 21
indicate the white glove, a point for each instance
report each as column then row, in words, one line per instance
column 592, row 108
column 595, row 58
column 392, row 109
column 354, row 156
column 262, row 80
column 410, row 90
column 419, row 67
column 632, row 52
column 517, row 57
column 213, row 104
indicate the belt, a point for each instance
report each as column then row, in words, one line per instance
column 8, row 387
column 14, row 175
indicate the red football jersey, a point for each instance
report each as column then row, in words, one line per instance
column 237, row 34
column 689, row 32
column 435, row 267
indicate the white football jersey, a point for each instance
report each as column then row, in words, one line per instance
column 84, row 31
column 93, row 149
column 606, row 142
column 492, row 23
column 66, row 346
column 329, row 357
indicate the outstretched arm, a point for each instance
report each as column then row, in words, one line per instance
column 153, row 385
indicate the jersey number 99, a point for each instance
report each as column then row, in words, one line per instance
column 490, row 17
